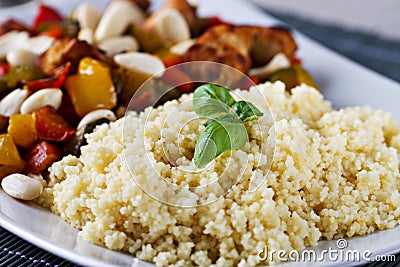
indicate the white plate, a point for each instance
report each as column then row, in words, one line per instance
column 342, row 81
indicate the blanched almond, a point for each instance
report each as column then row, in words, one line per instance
column 279, row 61
column 45, row 97
column 22, row 187
column 118, row 44
column 11, row 41
column 116, row 18
column 86, row 34
column 181, row 47
column 87, row 15
column 141, row 62
column 172, row 26
column 194, row 3
column 38, row 44
column 12, row 102
column 20, row 57
column 96, row 115
column 183, row 7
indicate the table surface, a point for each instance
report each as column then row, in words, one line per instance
column 377, row 53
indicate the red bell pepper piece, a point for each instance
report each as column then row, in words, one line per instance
column 56, row 80
column 45, row 14
column 51, row 126
column 172, row 60
column 254, row 79
column 54, row 31
column 140, row 103
column 4, row 69
column 296, row 61
column 41, row 156
column 248, row 82
column 176, row 77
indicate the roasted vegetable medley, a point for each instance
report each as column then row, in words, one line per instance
column 62, row 76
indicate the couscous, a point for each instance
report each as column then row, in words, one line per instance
column 334, row 174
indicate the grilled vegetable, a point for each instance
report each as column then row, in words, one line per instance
column 293, row 76
column 3, row 123
column 51, row 126
column 41, row 156
column 45, row 14
column 92, row 88
column 4, row 69
column 10, row 161
column 66, row 50
column 65, row 28
column 56, row 80
column 22, row 129
column 6, row 170
column 73, row 146
column 20, row 74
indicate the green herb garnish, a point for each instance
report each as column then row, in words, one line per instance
column 210, row 100
column 225, row 130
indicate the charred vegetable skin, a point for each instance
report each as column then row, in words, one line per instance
column 74, row 145
column 70, row 50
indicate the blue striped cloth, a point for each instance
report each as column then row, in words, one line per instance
column 379, row 54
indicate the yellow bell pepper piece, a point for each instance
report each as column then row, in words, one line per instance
column 92, row 88
column 6, row 170
column 304, row 77
column 22, row 129
column 288, row 76
column 10, row 161
column 293, row 77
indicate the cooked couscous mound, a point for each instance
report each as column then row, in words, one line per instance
column 335, row 173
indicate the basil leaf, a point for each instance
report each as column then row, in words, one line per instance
column 223, row 133
column 210, row 100
column 246, row 111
